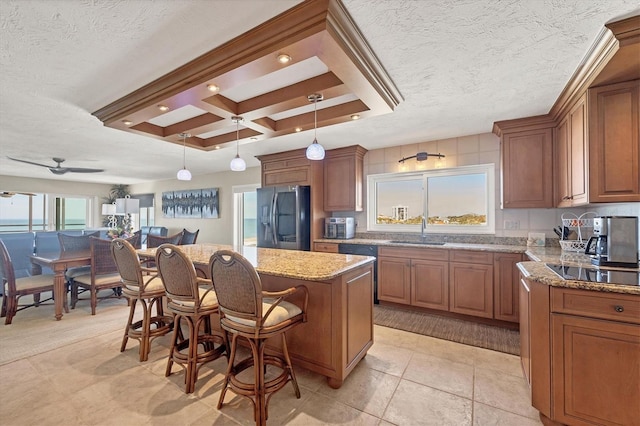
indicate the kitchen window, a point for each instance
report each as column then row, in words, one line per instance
column 456, row 200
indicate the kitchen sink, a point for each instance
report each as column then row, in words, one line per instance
column 428, row 243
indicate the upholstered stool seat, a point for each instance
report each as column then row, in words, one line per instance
column 247, row 312
column 192, row 301
column 140, row 285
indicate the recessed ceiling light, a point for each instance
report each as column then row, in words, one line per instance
column 127, row 122
column 253, row 139
column 213, row 88
column 163, row 108
column 283, row 58
column 217, row 146
column 355, row 116
column 298, row 129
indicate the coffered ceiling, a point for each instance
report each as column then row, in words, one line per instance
column 268, row 76
column 72, row 72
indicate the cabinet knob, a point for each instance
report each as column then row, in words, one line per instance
column 619, row 308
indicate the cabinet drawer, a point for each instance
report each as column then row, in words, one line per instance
column 414, row 253
column 467, row 256
column 596, row 304
column 326, row 247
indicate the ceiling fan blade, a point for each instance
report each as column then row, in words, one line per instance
column 82, row 170
column 29, row 162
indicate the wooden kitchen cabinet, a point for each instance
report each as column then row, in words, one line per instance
column 471, row 284
column 525, row 332
column 571, row 153
column 527, row 167
column 614, row 142
column 326, row 247
column 596, row 360
column 343, row 179
column 505, row 286
column 416, row 277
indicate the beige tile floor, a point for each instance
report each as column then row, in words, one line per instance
column 405, row 379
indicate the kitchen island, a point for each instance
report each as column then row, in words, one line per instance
column 339, row 328
column 580, row 341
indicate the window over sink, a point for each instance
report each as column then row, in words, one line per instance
column 455, row 200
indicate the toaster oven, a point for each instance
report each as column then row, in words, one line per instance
column 340, row 228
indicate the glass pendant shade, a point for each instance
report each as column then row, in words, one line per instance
column 315, row 151
column 238, row 164
column 184, row 174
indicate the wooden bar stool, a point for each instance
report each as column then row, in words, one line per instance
column 140, row 285
column 188, row 301
column 255, row 315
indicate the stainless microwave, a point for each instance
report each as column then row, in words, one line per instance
column 341, row 228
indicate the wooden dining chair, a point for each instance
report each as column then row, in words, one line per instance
column 15, row 288
column 192, row 301
column 189, row 237
column 248, row 312
column 103, row 276
column 157, row 240
column 75, row 244
column 142, row 285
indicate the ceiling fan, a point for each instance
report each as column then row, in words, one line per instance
column 59, row 170
column 9, row 194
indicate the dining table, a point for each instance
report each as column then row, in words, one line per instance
column 59, row 263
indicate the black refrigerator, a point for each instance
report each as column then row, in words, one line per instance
column 284, row 217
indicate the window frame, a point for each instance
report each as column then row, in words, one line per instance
column 373, row 180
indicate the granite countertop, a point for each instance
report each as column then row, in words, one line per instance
column 535, row 269
column 303, row 265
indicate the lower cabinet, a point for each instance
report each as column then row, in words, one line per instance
column 505, row 286
column 471, row 283
column 417, row 277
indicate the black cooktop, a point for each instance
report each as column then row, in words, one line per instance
column 596, row 275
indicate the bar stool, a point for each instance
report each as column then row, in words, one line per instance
column 145, row 289
column 255, row 315
column 188, row 301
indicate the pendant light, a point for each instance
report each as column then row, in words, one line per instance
column 184, row 174
column 315, row 151
column 237, row 164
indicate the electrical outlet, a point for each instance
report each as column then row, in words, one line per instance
column 511, row 224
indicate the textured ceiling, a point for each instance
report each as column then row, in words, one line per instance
column 459, row 64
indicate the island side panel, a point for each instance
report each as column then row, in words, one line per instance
column 359, row 305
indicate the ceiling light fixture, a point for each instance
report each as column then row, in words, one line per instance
column 283, row 58
column 315, row 151
column 213, row 88
column 298, row 129
column 355, row 116
column 237, row 164
column 163, row 108
column 127, row 122
column 421, row 156
column 184, row 174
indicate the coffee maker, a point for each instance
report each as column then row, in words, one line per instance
column 615, row 240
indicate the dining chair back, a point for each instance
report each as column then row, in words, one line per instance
column 103, row 275
column 189, row 237
column 140, row 285
column 15, row 288
column 248, row 312
column 71, row 245
column 157, row 240
column 20, row 246
column 192, row 300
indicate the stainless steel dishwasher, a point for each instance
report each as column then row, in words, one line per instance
column 364, row 250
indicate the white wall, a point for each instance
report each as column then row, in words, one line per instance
column 211, row 230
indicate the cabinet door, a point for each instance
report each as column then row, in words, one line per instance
column 430, row 284
column 505, row 289
column 343, row 174
column 527, row 168
column 563, row 156
column 578, row 154
column 394, row 280
column 614, row 142
column 596, row 376
column 525, row 330
column 471, row 289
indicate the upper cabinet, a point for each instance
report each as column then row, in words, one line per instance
column 614, row 143
column 571, row 155
column 593, row 128
column 343, row 179
column 527, row 163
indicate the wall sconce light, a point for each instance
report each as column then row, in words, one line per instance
column 421, row 156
